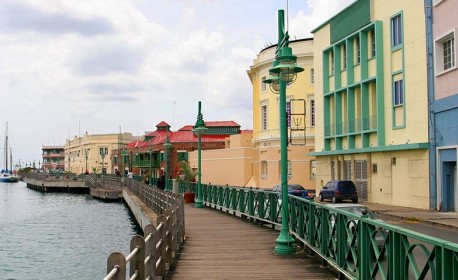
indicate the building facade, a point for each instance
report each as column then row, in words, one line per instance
column 232, row 165
column 300, row 116
column 444, row 112
column 151, row 155
column 53, row 159
column 371, row 92
column 92, row 153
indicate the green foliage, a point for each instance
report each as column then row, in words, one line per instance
column 95, row 169
column 187, row 173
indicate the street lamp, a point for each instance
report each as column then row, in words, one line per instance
column 167, row 146
column 150, row 164
column 123, row 153
column 85, row 155
column 283, row 72
column 199, row 128
column 103, row 162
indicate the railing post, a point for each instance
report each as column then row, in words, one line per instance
column 118, row 260
column 162, row 231
column 137, row 263
column 150, row 251
column 171, row 239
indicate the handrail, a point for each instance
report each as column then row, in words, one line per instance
column 151, row 255
column 358, row 247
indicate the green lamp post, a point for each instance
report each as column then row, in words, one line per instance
column 282, row 73
column 167, row 146
column 150, row 164
column 199, row 128
column 123, row 160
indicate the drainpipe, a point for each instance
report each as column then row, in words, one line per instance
column 431, row 114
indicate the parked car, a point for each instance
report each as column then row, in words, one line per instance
column 297, row 190
column 338, row 191
column 360, row 210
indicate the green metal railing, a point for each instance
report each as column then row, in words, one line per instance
column 349, row 243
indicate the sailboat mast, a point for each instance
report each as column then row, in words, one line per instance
column 6, row 147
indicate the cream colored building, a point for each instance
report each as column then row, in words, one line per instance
column 232, row 165
column 371, row 92
column 92, row 152
column 301, row 120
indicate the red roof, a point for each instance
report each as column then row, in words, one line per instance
column 184, row 134
column 162, row 124
column 188, row 136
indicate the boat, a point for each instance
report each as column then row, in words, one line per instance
column 7, row 175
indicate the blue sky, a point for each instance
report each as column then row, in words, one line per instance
column 67, row 67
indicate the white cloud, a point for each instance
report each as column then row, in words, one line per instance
column 68, row 67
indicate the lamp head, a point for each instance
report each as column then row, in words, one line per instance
column 287, row 67
column 273, row 82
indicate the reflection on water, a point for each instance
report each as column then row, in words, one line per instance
column 59, row 235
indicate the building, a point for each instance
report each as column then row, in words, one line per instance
column 231, row 165
column 150, row 153
column 371, row 92
column 443, row 75
column 92, row 153
column 53, row 159
column 301, row 120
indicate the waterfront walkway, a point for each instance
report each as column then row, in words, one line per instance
column 222, row 246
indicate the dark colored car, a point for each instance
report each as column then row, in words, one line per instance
column 338, row 191
column 296, row 190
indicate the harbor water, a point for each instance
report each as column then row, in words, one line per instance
column 59, row 235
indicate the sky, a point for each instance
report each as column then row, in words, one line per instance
column 101, row 66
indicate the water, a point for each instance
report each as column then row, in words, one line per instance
column 59, row 235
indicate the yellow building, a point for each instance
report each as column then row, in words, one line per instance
column 301, row 120
column 371, row 95
column 92, row 152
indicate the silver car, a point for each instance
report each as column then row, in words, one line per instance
column 359, row 210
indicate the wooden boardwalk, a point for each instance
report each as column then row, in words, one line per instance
column 222, row 246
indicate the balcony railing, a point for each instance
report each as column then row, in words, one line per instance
column 351, row 126
column 145, row 163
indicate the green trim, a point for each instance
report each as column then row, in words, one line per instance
column 380, row 84
column 348, row 20
column 402, row 147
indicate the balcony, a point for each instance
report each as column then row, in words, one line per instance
column 365, row 124
column 145, row 163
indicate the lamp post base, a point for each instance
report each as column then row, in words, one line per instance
column 199, row 203
column 285, row 244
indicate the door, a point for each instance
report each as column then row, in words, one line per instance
column 448, row 187
column 361, row 179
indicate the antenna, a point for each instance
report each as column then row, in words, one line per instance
column 287, row 15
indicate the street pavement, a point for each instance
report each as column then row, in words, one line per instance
column 446, row 219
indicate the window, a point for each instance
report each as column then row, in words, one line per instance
column 263, row 85
column 398, row 93
column 312, row 169
column 396, row 31
column 264, row 117
column 103, row 151
column 347, row 170
column 445, row 53
column 373, row 43
column 449, row 53
column 312, row 112
column 358, row 50
column 264, row 169
column 344, row 57
column 312, row 76
column 331, row 61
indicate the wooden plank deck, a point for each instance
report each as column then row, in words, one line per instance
column 222, row 246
